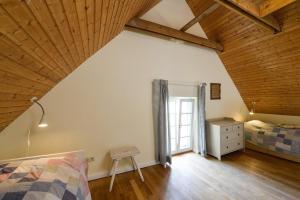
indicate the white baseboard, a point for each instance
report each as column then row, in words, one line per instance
column 103, row 174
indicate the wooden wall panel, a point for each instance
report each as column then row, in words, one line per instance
column 265, row 67
column 42, row 41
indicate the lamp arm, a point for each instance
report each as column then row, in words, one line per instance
column 42, row 108
column 43, row 111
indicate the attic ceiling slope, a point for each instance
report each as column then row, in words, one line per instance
column 265, row 67
column 42, row 41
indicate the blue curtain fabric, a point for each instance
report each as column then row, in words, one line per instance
column 201, row 120
column 161, row 121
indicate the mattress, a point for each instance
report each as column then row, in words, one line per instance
column 52, row 178
column 273, row 137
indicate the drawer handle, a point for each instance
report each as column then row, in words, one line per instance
column 239, row 143
column 238, row 134
column 226, row 147
column 226, row 137
column 226, row 129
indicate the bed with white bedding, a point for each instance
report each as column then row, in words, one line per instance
column 54, row 177
column 282, row 141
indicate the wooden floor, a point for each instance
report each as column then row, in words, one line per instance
column 248, row 175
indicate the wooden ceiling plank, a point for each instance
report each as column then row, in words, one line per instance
column 6, row 104
column 14, row 97
column 15, row 80
column 126, row 15
column 98, row 12
column 21, row 14
column 81, row 13
column 10, row 89
column 170, row 32
column 18, row 36
column 13, row 52
column 57, row 12
column 269, row 6
column 72, row 18
column 199, row 17
column 14, row 68
column 261, row 22
column 90, row 13
column 42, row 14
column 122, row 18
column 108, row 22
column 105, row 7
column 117, row 18
column 13, row 109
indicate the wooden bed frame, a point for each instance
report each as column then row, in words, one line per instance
column 273, row 153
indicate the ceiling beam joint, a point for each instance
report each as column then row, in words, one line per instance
column 200, row 16
column 161, row 30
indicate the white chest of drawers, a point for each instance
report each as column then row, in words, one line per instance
column 224, row 136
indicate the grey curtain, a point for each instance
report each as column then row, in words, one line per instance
column 161, row 121
column 201, row 120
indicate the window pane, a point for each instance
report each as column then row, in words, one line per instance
column 186, row 119
column 185, row 143
column 185, row 131
column 172, row 107
column 172, row 120
column 173, row 131
column 186, row 107
column 173, row 145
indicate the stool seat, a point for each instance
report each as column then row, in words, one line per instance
column 124, row 152
column 120, row 153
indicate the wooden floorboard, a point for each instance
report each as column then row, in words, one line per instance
column 249, row 175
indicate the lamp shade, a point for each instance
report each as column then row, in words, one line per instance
column 43, row 122
column 251, row 112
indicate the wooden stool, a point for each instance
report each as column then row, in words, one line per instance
column 120, row 153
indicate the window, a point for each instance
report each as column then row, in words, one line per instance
column 181, row 113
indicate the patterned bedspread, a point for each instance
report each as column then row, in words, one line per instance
column 272, row 137
column 45, row 179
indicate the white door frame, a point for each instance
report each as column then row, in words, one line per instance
column 178, row 150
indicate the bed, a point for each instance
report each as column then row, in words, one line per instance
column 278, row 140
column 50, row 177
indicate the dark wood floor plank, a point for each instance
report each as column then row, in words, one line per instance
column 249, row 175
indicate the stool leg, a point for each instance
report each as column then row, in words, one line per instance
column 138, row 168
column 132, row 161
column 113, row 171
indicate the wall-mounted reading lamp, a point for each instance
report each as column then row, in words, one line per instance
column 252, row 111
column 43, row 123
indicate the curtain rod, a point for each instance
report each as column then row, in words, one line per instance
column 181, row 83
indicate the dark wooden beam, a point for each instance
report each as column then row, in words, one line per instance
column 271, row 25
column 199, row 17
column 173, row 33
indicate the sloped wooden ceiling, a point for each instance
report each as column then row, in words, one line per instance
column 265, row 67
column 42, row 41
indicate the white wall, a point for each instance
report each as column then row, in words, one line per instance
column 106, row 102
